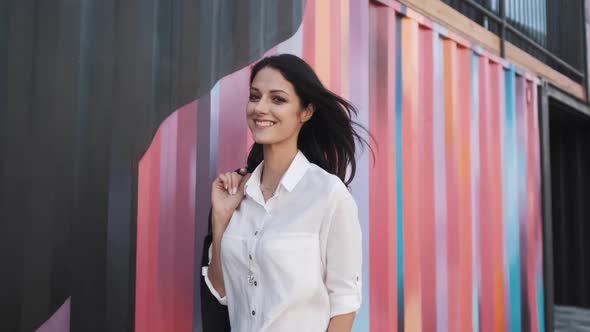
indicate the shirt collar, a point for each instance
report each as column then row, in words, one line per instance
column 292, row 176
column 295, row 172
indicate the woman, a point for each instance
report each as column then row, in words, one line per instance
column 286, row 251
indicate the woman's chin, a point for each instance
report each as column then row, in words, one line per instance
column 261, row 138
column 263, row 141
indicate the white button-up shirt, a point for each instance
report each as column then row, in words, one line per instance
column 293, row 262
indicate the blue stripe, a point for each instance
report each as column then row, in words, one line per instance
column 440, row 171
column 399, row 175
column 475, row 185
column 510, row 186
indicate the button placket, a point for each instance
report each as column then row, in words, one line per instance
column 253, row 278
column 251, row 252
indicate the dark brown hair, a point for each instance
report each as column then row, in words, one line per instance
column 329, row 138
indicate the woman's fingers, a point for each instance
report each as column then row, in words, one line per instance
column 230, row 184
column 223, row 180
column 231, row 181
column 243, row 182
column 236, row 179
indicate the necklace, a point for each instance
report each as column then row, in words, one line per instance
column 268, row 189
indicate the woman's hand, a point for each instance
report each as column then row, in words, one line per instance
column 226, row 194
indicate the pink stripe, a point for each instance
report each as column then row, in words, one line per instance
column 486, row 195
column 147, row 315
column 165, row 255
column 426, row 169
column 184, row 227
column 309, row 33
column 59, row 321
column 383, row 258
column 335, row 46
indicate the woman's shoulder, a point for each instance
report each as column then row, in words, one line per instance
column 327, row 181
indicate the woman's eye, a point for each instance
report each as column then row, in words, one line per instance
column 253, row 98
column 279, row 100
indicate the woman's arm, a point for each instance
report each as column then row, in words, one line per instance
column 341, row 323
column 215, row 272
column 226, row 194
column 343, row 260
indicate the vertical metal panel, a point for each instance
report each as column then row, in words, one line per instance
column 447, row 219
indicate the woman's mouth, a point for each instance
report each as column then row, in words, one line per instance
column 264, row 124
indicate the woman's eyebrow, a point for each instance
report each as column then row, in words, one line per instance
column 271, row 91
column 285, row 92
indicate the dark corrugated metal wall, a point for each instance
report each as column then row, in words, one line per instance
column 83, row 87
column 570, row 175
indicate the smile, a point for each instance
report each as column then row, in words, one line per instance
column 264, row 124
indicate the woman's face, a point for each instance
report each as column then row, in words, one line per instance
column 275, row 114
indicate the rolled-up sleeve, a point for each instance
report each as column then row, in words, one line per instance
column 343, row 254
column 204, row 272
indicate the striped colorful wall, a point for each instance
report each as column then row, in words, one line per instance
column 450, row 210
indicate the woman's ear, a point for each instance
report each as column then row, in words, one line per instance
column 307, row 113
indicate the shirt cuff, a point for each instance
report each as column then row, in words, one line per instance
column 344, row 304
column 222, row 300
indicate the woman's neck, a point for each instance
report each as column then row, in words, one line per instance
column 276, row 163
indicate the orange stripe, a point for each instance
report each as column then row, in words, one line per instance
column 411, row 134
column 497, row 100
column 453, row 203
column 322, row 41
column 464, row 177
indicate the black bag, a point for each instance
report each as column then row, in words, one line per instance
column 214, row 315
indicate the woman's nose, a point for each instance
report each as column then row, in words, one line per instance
column 261, row 106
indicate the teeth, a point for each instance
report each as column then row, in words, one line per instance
column 264, row 123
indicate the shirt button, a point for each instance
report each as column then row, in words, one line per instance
column 250, row 256
column 253, row 313
column 255, row 233
column 255, row 283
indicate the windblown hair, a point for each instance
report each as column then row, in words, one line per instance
column 328, row 139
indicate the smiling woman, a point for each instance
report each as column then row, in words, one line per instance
column 286, row 251
column 275, row 114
